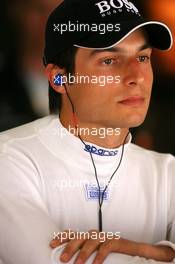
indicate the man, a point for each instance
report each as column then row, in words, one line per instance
column 91, row 181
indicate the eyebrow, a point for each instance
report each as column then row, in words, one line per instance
column 118, row 49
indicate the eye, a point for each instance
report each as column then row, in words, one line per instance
column 143, row 58
column 108, row 61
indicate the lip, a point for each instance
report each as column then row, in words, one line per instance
column 133, row 101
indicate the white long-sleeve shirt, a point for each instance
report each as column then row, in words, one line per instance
column 47, row 185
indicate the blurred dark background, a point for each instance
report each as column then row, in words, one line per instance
column 24, row 88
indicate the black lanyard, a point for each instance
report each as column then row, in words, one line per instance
column 100, row 196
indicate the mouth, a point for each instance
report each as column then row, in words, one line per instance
column 133, row 101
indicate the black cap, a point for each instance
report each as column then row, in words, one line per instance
column 98, row 24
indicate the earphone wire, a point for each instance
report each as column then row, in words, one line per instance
column 100, row 196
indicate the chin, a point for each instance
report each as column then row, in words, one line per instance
column 135, row 120
column 136, row 123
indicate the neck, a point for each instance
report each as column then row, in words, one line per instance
column 95, row 133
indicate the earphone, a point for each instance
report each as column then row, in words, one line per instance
column 58, row 79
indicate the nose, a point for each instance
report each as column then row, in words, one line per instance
column 134, row 75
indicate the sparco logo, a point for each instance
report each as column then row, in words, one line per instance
column 117, row 5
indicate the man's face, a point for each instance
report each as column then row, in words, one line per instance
column 114, row 105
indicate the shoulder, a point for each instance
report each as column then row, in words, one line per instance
column 152, row 159
column 20, row 151
column 156, row 169
column 21, row 147
column 23, row 134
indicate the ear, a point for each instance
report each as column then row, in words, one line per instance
column 51, row 71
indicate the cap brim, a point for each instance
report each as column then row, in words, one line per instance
column 159, row 35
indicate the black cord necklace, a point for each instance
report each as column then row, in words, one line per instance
column 100, row 196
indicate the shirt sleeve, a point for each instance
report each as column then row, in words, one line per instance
column 170, row 242
column 25, row 225
column 171, row 199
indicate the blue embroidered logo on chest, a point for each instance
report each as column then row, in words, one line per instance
column 92, row 192
column 100, row 152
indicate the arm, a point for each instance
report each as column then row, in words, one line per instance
column 112, row 258
column 134, row 250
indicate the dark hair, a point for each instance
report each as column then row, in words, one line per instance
column 66, row 60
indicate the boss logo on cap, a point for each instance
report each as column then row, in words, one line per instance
column 105, row 6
